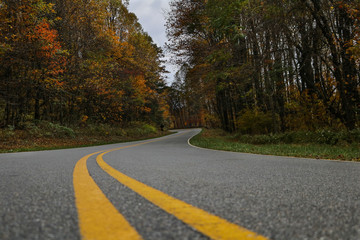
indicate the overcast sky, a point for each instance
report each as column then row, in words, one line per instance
column 151, row 14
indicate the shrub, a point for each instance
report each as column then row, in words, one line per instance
column 49, row 129
column 254, row 122
column 354, row 135
column 148, row 129
column 326, row 137
column 323, row 136
column 139, row 129
column 7, row 133
column 119, row 132
column 136, row 129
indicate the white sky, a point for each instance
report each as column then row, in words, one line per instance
column 151, row 15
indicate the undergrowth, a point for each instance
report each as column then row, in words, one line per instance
column 326, row 144
column 47, row 135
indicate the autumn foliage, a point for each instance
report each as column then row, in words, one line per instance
column 74, row 62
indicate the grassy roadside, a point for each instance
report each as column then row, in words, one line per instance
column 49, row 136
column 219, row 140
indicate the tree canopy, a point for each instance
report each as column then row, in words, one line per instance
column 267, row 66
column 76, row 61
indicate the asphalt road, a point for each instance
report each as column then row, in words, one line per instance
column 276, row 197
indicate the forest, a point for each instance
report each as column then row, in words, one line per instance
column 247, row 66
column 73, row 62
column 260, row 67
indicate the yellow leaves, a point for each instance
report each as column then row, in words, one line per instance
column 141, row 94
column 123, row 51
column 84, row 119
column 145, row 109
column 4, row 48
column 139, row 83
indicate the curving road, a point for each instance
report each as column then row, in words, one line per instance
column 167, row 189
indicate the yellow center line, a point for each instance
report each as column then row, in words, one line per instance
column 98, row 218
column 206, row 223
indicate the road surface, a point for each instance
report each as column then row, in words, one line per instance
column 166, row 189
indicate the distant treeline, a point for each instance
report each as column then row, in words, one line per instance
column 266, row 66
column 75, row 61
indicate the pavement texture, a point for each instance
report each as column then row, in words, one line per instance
column 278, row 197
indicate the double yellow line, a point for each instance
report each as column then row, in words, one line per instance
column 99, row 219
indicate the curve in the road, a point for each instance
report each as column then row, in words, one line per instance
column 99, row 219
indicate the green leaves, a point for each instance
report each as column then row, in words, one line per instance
column 271, row 55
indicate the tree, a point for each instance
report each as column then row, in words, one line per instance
column 66, row 61
column 32, row 62
column 290, row 60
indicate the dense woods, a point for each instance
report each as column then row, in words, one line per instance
column 265, row 66
column 246, row 65
column 75, row 61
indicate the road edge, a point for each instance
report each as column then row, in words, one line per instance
column 258, row 154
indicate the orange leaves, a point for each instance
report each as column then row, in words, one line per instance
column 47, row 38
column 89, row 58
column 29, row 37
column 139, row 84
column 140, row 90
column 49, row 53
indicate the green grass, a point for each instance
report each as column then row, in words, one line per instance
column 219, row 140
